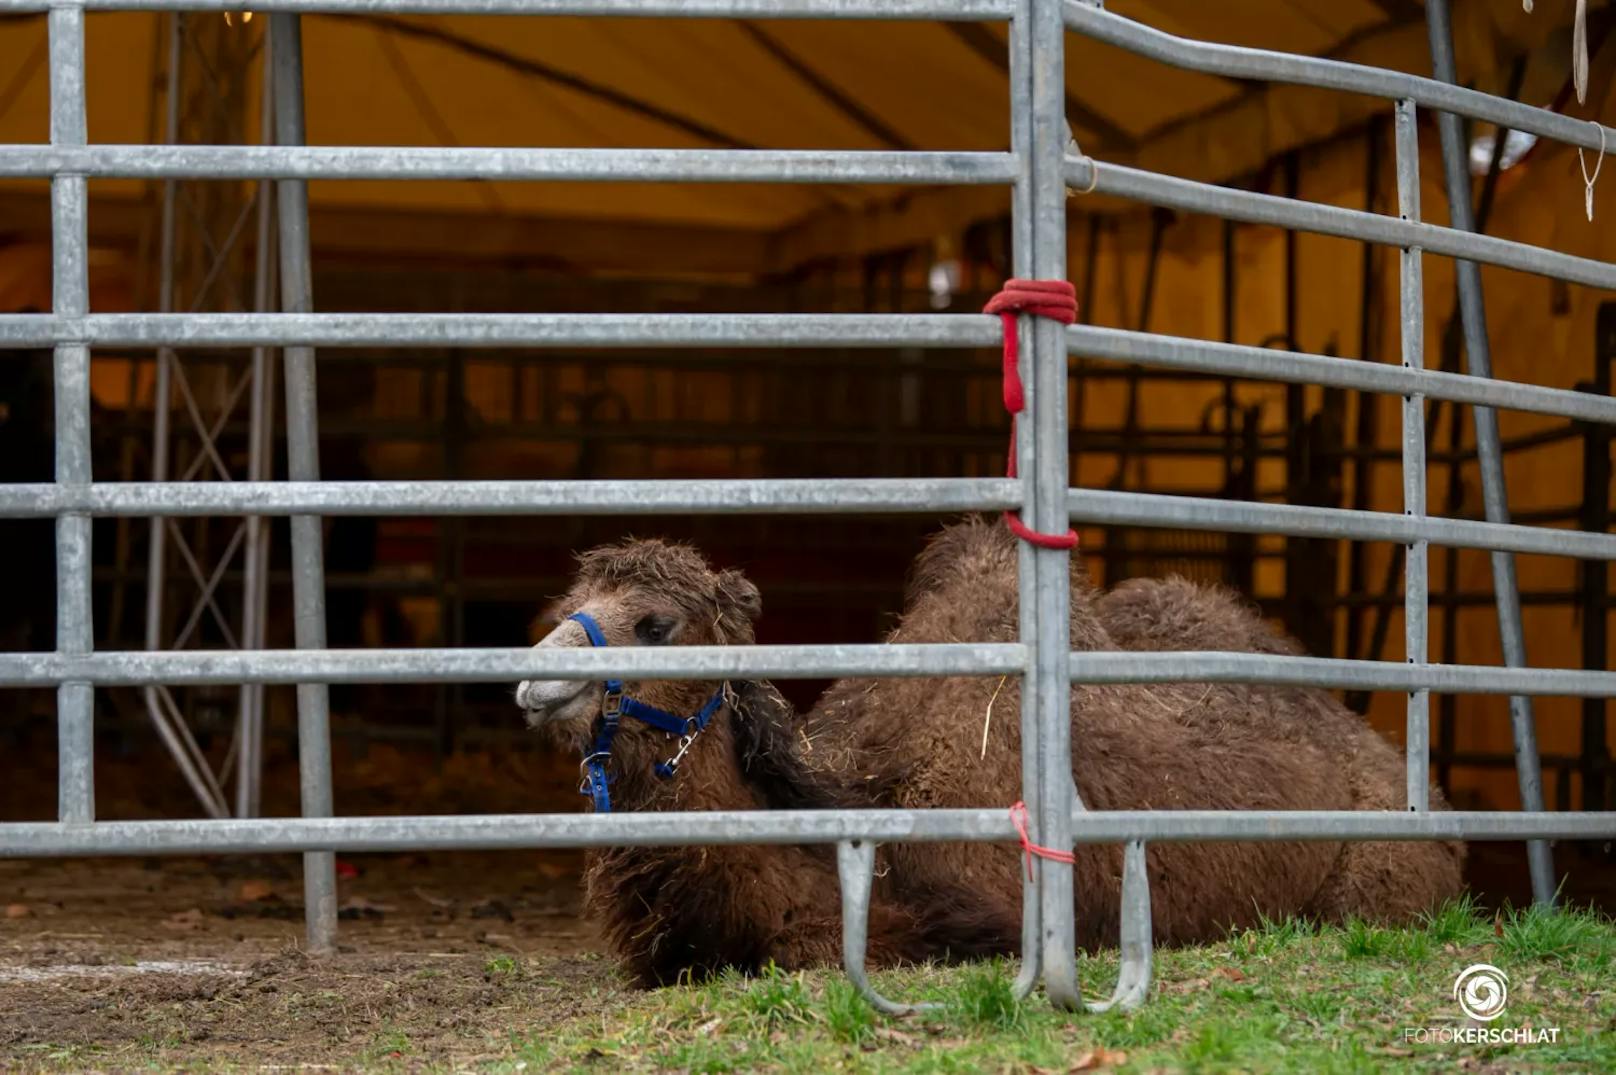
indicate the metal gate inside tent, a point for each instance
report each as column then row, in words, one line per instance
column 1040, row 167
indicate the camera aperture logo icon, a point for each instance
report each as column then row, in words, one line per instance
column 1482, row 990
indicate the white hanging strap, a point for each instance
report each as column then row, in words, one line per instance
column 1579, row 52
column 1588, row 181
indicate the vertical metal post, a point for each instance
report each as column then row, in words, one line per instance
column 70, row 297
column 1478, row 353
column 1416, row 581
column 260, row 445
column 162, row 391
column 1046, row 460
column 1595, row 587
column 303, row 464
column 1032, row 744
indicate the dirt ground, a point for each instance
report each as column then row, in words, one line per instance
column 111, row 964
column 197, row 964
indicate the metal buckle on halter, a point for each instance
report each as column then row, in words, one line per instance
column 611, row 705
column 672, row 764
column 586, row 778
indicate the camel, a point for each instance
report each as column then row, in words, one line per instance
column 673, row 912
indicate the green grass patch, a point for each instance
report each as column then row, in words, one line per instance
column 501, row 967
column 1287, row 996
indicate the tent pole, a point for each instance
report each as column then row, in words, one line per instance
column 303, row 464
column 1478, row 354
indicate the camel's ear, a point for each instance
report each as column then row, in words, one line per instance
column 736, row 594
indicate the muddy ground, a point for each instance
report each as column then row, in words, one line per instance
column 195, row 964
column 111, row 964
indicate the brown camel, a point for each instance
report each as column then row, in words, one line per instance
column 919, row 743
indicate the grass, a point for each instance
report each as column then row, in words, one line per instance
column 1286, row 996
column 501, row 967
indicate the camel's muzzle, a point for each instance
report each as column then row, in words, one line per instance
column 545, row 701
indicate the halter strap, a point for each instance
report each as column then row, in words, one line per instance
column 615, row 705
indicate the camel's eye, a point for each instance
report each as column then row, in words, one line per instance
column 654, row 630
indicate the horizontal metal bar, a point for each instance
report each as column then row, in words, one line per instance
column 522, row 831
column 232, row 667
column 1332, row 673
column 941, row 10
column 503, row 330
column 1252, row 207
column 1109, row 508
column 1235, row 61
column 1115, row 826
column 504, row 162
column 776, row 330
column 737, row 496
column 1264, row 363
column 775, row 496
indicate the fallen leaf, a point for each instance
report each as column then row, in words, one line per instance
column 1498, row 924
column 1098, row 1058
column 897, row 1037
column 1234, row 974
column 253, row 891
column 710, row 1026
column 17, row 910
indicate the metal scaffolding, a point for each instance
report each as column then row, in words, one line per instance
column 204, row 263
column 1039, row 169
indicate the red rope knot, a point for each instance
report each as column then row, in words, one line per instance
column 1056, row 300
column 1018, row 818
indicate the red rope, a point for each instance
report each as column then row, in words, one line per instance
column 1018, row 818
column 1056, row 300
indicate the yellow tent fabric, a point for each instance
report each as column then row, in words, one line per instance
column 434, row 81
column 494, row 81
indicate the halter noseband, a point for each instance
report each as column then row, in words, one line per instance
column 614, row 706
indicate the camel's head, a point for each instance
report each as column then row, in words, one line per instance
column 639, row 593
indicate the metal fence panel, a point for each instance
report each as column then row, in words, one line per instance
column 1038, row 170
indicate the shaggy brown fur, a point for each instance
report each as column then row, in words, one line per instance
column 917, row 743
column 692, row 911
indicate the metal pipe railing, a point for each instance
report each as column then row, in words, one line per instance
column 316, row 796
column 493, row 832
column 1236, row 61
column 507, row 163
column 70, row 297
column 938, row 10
column 1038, row 172
column 838, row 496
column 779, row 330
column 1494, row 496
column 1251, row 207
column 1416, row 577
column 475, row 665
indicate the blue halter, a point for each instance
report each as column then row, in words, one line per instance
column 613, row 707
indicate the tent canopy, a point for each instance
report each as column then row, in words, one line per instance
column 496, row 81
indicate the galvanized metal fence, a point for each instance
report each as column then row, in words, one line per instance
column 1040, row 170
